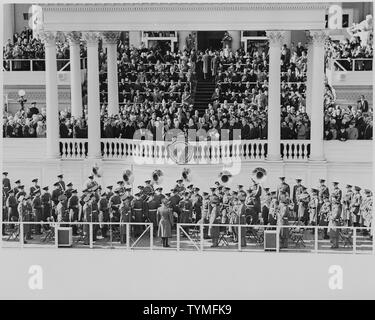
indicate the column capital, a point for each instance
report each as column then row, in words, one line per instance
column 74, row 37
column 111, row 37
column 276, row 38
column 317, row 37
column 91, row 37
column 48, row 37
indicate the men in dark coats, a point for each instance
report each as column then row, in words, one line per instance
column 158, row 196
column 69, row 189
column 37, row 210
column 34, row 187
column 73, row 207
column 336, row 192
column 323, row 192
column 186, row 211
column 46, row 204
column 139, row 209
column 103, row 207
column 61, row 182
column 114, row 205
column 197, row 204
column 152, row 206
column 12, row 204
column 6, row 183
column 297, row 191
column 282, row 187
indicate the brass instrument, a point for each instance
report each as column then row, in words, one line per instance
column 128, row 177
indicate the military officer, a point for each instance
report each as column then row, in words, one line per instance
column 12, row 205
column 336, row 192
column 56, row 192
column 125, row 217
column 324, row 211
column 87, row 217
column 152, row 206
column 21, row 191
column 121, row 187
column 366, row 209
column 114, row 206
column 61, row 209
column 282, row 187
column 282, row 220
column 179, row 186
column 158, row 195
column 205, row 213
column 303, row 201
column 186, row 209
column 197, row 204
column 24, row 217
column 73, row 208
column 266, row 206
column 16, row 188
column 334, row 221
column 90, row 183
column 323, row 191
column 61, row 182
column 174, row 201
column 35, row 186
column 103, row 207
column 242, row 218
column 256, row 194
column 69, row 189
column 46, row 204
column 6, row 183
column 37, row 210
column 109, row 192
column 297, row 190
column 139, row 209
column 148, row 188
column 347, row 200
column 355, row 205
column 313, row 207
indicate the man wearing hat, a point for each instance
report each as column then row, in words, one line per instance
column 125, row 217
column 16, row 188
column 69, row 189
column 323, row 192
column 6, row 183
column 205, row 213
column 355, row 205
column 336, row 192
column 21, row 191
column 46, row 200
column 56, row 193
column 24, row 217
column 324, row 211
column 103, row 207
column 274, row 207
column 366, row 209
column 152, row 207
column 297, row 190
column 11, row 205
column 179, row 186
column 347, row 200
column 87, row 217
column 313, row 207
column 61, row 209
column 158, row 195
column 61, row 182
column 139, row 209
column 73, row 208
column 334, row 221
column 266, row 202
column 37, row 210
column 109, row 192
column 120, row 187
column 303, row 201
column 282, row 187
column 114, row 206
column 186, row 209
column 34, row 186
column 197, row 204
column 148, row 189
column 174, row 201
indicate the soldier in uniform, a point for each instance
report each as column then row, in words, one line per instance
column 61, row 209
column 282, row 220
column 179, row 186
column 165, row 222
column 37, row 210
column 103, row 207
column 56, row 193
column 366, row 210
column 355, row 205
column 34, row 187
column 313, row 207
column 16, row 188
column 205, row 213
column 95, row 211
column 114, row 206
column 334, row 221
column 324, row 211
column 109, row 192
column 125, row 216
column 336, row 192
column 21, row 191
column 215, row 218
column 6, row 184
column 120, row 187
column 139, row 209
column 303, row 200
column 323, row 192
column 73, row 207
column 68, row 191
column 87, row 217
column 46, row 204
column 186, row 210
column 12, row 206
column 282, row 187
column 297, row 190
column 152, row 207
column 158, row 196
column 148, row 189
column 61, row 182
column 23, row 216
column 90, row 183
column 197, row 205
column 174, row 201
column 274, row 209
column 347, row 200
column 266, row 206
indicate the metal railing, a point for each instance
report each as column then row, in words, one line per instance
column 293, row 237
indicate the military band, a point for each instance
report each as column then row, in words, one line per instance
column 255, row 205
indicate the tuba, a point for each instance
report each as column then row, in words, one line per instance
column 157, row 176
column 259, row 175
column 186, row 175
column 225, row 177
column 96, row 171
column 128, row 177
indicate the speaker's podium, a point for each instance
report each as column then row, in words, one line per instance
column 270, row 240
column 64, row 237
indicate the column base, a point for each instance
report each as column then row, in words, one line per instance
column 273, row 158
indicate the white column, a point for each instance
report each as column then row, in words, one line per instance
column 75, row 74
column 317, row 95
column 93, row 102
column 275, row 42
column 52, row 103
column 236, row 39
column 310, row 67
column 8, row 22
column 135, row 38
column 110, row 41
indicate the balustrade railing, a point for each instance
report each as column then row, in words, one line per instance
column 348, row 64
column 73, row 148
column 195, row 152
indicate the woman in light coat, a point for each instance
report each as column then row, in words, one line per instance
column 165, row 222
